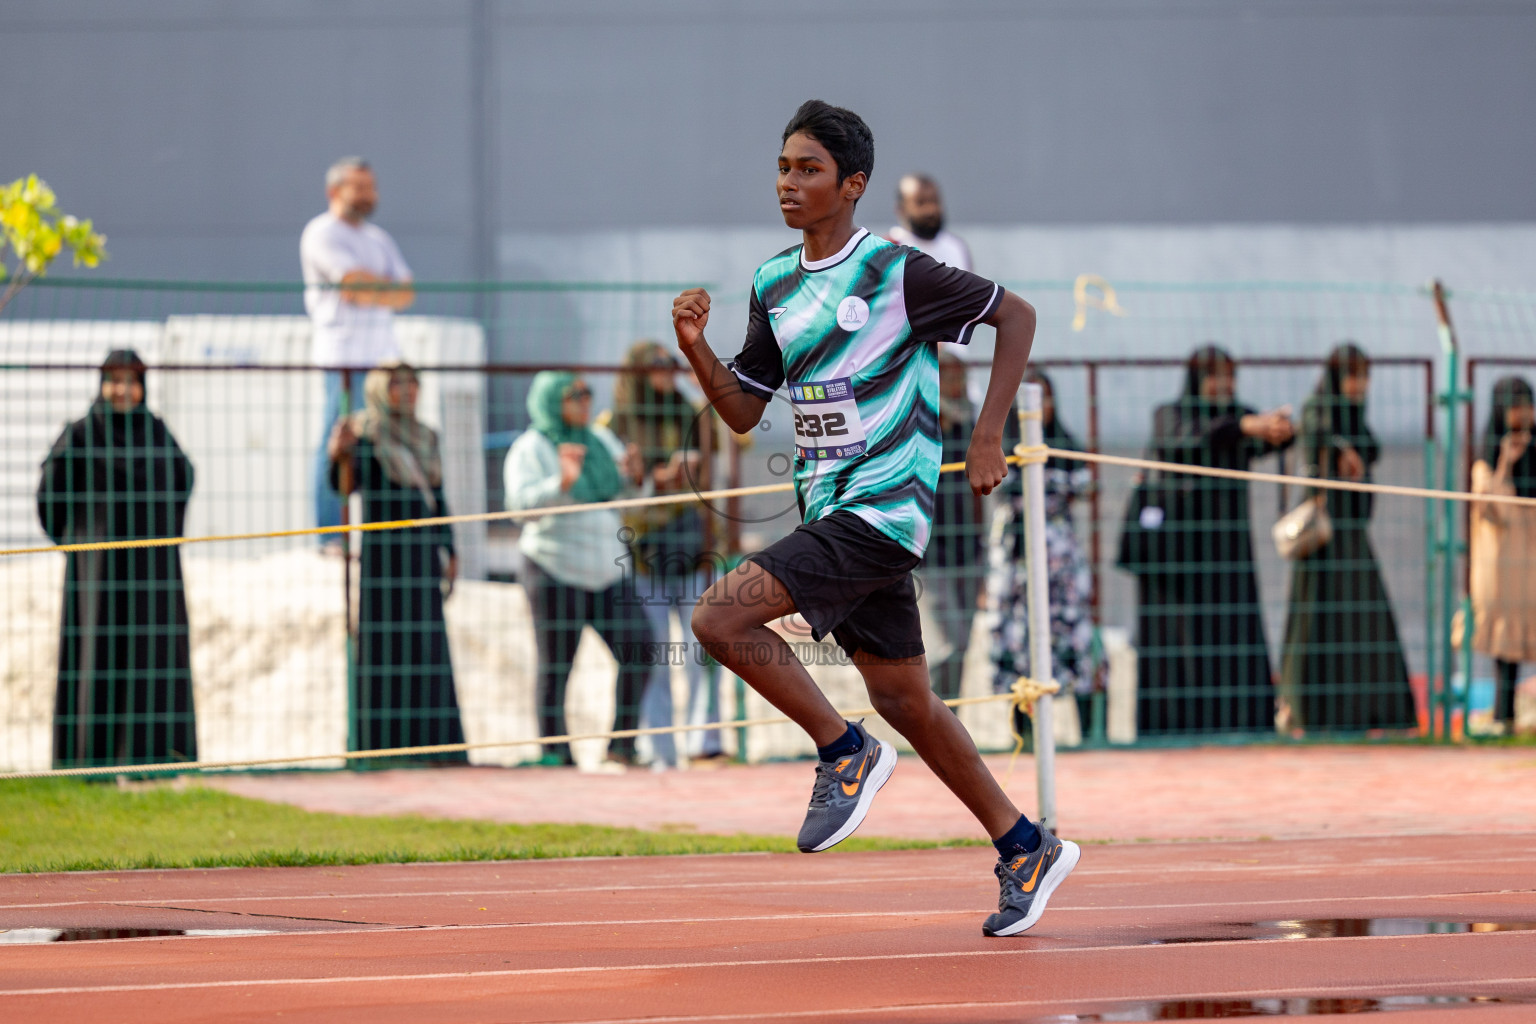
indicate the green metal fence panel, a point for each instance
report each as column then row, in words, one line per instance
column 288, row 647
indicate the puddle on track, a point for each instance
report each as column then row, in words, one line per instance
column 1334, row 928
column 1232, row 1009
column 1188, row 1009
column 38, row 936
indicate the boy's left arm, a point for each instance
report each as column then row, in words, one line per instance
column 985, row 464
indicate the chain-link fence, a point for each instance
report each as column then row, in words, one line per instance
column 292, row 646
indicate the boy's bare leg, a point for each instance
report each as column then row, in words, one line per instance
column 901, row 693
column 730, row 621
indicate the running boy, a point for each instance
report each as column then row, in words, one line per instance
column 850, row 321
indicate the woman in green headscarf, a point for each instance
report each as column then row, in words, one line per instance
column 574, row 563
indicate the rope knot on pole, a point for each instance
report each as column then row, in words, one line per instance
column 1022, row 695
column 1031, row 454
column 1026, row 691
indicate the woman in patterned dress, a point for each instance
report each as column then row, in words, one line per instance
column 1069, row 576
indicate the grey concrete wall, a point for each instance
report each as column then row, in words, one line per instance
column 196, row 132
column 1108, row 111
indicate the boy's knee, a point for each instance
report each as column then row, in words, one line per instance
column 708, row 624
column 902, row 708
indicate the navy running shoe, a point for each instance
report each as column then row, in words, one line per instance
column 843, row 792
column 1027, row 883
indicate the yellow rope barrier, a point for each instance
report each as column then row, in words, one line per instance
column 1300, row 481
column 409, row 524
column 471, row 517
column 1024, row 456
column 452, row 748
column 1023, row 695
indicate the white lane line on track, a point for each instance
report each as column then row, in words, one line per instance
column 173, row 904
column 523, row 972
column 1372, row 866
column 374, row 927
column 1319, row 992
column 507, row 890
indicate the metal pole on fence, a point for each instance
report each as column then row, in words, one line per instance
column 1095, row 533
column 345, row 479
column 1037, row 583
column 1431, row 528
column 1448, row 542
column 1431, row 612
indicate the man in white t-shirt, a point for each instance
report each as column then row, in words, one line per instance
column 953, row 567
column 355, row 279
column 920, row 210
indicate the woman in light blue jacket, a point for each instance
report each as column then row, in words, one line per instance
column 574, row 563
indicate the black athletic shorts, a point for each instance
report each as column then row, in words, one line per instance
column 850, row 580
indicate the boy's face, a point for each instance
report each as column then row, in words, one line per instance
column 808, row 189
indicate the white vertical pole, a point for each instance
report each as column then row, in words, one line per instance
column 1038, row 594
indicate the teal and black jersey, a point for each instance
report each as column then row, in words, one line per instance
column 853, row 337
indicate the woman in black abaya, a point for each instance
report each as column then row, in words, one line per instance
column 1203, row 661
column 125, row 665
column 1343, row 667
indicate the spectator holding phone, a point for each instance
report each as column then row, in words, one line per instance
column 1203, row 658
column 1503, row 564
column 672, row 565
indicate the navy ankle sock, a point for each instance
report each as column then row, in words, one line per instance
column 1023, row 838
column 845, row 745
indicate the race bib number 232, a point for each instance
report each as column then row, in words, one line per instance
column 827, row 424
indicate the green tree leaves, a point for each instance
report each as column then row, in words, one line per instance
column 36, row 231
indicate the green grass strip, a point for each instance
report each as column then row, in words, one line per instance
column 72, row 825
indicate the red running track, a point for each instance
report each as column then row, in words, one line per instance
column 1141, row 931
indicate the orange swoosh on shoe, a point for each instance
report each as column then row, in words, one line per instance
column 853, row 788
column 1029, row 886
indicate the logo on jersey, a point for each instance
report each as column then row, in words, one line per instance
column 777, row 311
column 852, row 313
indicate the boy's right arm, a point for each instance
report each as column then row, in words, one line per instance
column 740, row 409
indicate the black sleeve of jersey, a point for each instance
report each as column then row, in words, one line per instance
column 760, row 366
column 945, row 303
